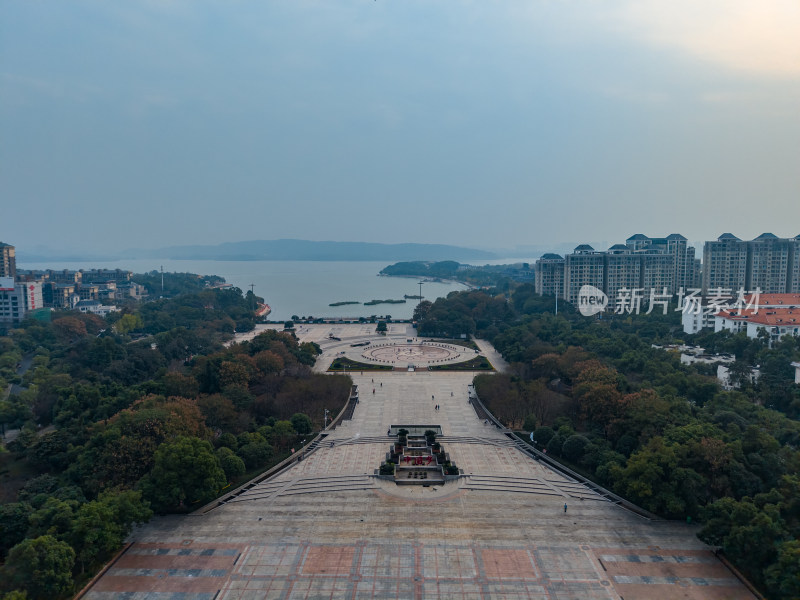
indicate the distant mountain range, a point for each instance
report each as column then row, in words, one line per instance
column 286, row 250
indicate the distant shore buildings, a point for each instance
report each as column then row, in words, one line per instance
column 768, row 263
column 24, row 292
column 668, row 266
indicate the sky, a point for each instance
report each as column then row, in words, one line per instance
column 483, row 124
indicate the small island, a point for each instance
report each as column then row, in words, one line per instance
column 374, row 302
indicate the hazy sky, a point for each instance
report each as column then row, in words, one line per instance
column 486, row 124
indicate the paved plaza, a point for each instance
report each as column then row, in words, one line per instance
column 327, row 528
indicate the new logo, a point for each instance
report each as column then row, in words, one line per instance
column 591, row 300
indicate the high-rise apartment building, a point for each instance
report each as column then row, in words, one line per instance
column 663, row 265
column 768, row 263
column 623, row 270
column 772, row 264
column 8, row 260
column 549, row 275
column 585, row 266
column 681, row 266
column 724, row 263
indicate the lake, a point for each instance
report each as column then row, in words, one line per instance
column 303, row 288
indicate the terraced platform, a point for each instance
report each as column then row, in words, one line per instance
column 327, row 528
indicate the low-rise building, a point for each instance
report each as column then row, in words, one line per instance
column 728, row 383
column 776, row 322
column 95, row 307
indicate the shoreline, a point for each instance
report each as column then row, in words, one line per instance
column 427, row 279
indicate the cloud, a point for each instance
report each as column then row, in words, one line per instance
column 757, row 36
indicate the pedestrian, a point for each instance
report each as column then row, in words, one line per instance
column 565, row 507
column 381, row 384
column 451, row 394
column 389, row 431
column 373, row 390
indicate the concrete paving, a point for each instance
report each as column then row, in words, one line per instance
column 326, row 528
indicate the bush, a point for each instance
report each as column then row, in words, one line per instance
column 543, row 435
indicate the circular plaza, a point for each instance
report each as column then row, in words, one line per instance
column 419, row 354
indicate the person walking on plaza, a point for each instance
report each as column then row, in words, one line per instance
column 565, row 507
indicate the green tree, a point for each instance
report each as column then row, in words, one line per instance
column 783, row 576
column 283, row 434
column 42, row 566
column 232, row 465
column 100, row 526
column 127, row 323
column 13, row 525
column 574, row 447
column 301, row 423
column 186, row 472
column 543, row 435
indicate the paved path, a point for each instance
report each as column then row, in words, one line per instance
column 327, row 529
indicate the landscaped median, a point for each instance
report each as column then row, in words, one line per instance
column 347, row 364
column 478, row 363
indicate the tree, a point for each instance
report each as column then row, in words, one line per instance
column 185, row 472
column 301, row 423
column 13, row 525
column 42, row 566
column 574, row 447
column 127, row 323
column 232, row 465
column 100, row 526
column 282, row 434
column 421, row 311
column 543, row 435
column 783, row 576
